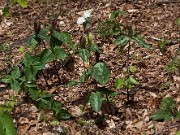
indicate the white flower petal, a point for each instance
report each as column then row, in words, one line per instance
column 81, row 20
column 87, row 14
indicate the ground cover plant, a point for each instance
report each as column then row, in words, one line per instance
column 39, row 76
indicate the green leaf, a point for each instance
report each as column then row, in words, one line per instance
column 133, row 81
column 21, row 48
column 178, row 132
column 6, row 124
column 43, row 34
column 6, row 11
column 119, row 83
column 59, row 53
column 141, row 42
column 95, row 100
column 115, row 14
column 167, row 104
column 132, row 69
column 85, row 75
column 84, row 54
column 122, row 40
column 30, row 72
column 106, row 91
column 63, row 37
column 6, row 79
column 72, row 83
column 101, row 73
column 56, row 106
column 162, row 115
column 15, row 74
column 45, row 55
column 34, row 92
column 15, row 85
column 178, row 22
column 64, row 114
column 4, row 47
column 22, row 3
column 32, row 41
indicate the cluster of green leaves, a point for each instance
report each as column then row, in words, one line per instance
column 167, row 111
column 111, row 27
column 129, row 82
column 24, row 78
column 97, row 98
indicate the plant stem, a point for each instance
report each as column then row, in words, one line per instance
column 59, row 79
column 109, row 104
column 127, row 66
column 45, row 79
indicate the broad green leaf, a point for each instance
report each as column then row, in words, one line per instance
column 15, row 85
column 45, row 102
column 32, row 41
column 141, row 42
column 63, row 37
column 122, row 40
column 167, row 104
column 119, row 83
column 29, row 59
column 15, row 74
column 34, row 93
column 101, row 73
column 95, row 100
column 133, row 81
column 43, row 34
column 6, row 79
column 56, row 106
column 106, row 91
column 45, row 56
column 22, row 3
column 30, row 72
column 64, row 114
column 59, row 53
column 132, row 69
column 84, row 54
column 94, row 47
column 162, row 115
column 6, row 124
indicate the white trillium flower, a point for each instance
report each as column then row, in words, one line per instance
column 86, row 14
column 81, row 20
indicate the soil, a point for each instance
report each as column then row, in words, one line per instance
column 154, row 20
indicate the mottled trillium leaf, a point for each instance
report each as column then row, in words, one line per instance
column 122, row 40
column 101, row 73
column 141, row 42
column 84, row 54
column 59, row 53
column 95, row 100
column 43, row 34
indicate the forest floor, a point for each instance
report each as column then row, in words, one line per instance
column 153, row 21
